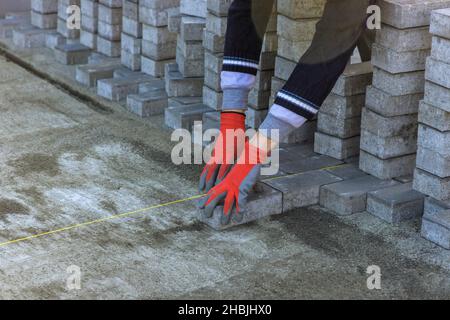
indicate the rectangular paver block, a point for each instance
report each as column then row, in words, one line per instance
column 436, row 228
column 431, row 185
column 301, row 190
column 263, row 202
column 396, row 204
column 350, row 196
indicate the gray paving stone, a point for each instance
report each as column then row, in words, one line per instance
column 437, row 95
column 387, row 168
column 71, row 54
column 404, row 125
column 179, row 86
column 388, row 147
column 433, row 162
column 211, row 120
column 433, row 206
column 159, row 51
column 434, row 117
column 434, row 139
column 441, row 49
column 299, row 150
column 218, row 7
column 307, row 164
column 184, row 116
column 347, row 171
column 404, row 14
column 54, row 39
column 335, row 147
column 396, row 204
column 88, row 39
column 66, row 32
column 44, row 6
column 263, row 202
column 354, row 80
column 301, row 190
column 154, row 68
column 29, row 38
column 90, row 74
column 440, row 23
column 44, row 21
column 399, row 84
column 350, row 196
column 438, row 72
column 436, row 228
column 308, row 9
column 343, row 107
column 341, row 128
column 399, row 62
column 118, row 89
column 155, row 85
column 255, row 117
column 304, row 134
column 130, row 60
column 108, row 48
column 212, row 98
column 389, row 105
column 190, row 68
column 431, row 185
column 401, row 40
column 213, row 42
column 7, row 26
column 147, row 104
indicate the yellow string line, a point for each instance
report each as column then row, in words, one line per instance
column 126, row 214
column 88, row 223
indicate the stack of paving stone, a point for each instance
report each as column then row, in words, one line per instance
column 389, row 121
column 109, row 27
column 149, row 98
column 26, row 35
column 184, row 79
column 432, row 175
column 158, row 43
column 89, row 23
column 339, row 120
column 131, row 35
column 64, row 14
column 296, row 25
column 68, row 49
column 44, row 13
column 214, row 43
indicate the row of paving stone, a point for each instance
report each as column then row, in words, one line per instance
column 307, row 178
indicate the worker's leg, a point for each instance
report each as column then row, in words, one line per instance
column 338, row 32
column 247, row 23
column 365, row 43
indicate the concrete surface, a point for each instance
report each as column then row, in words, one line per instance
column 65, row 160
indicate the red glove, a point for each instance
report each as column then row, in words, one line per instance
column 232, row 124
column 234, row 189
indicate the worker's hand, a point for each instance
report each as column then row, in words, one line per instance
column 225, row 153
column 233, row 191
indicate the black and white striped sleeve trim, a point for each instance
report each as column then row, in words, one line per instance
column 297, row 104
column 240, row 65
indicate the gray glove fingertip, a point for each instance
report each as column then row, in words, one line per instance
column 209, row 209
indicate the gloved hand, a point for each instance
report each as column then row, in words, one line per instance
column 236, row 186
column 225, row 152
